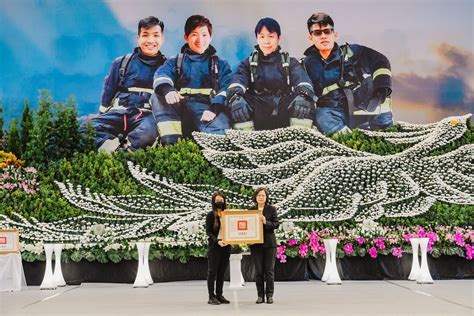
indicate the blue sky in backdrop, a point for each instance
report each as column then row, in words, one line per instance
column 67, row 46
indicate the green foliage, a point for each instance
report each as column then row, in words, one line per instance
column 13, row 142
column 26, row 126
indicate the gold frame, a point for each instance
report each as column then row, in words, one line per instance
column 251, row 213
column 16, row 244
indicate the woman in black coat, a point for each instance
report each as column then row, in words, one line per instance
column 263, row 255
column 218, row 252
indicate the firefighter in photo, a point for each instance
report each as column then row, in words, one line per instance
column 352, row 82
column 126, row 120
column 192, row 86
column 270, row 89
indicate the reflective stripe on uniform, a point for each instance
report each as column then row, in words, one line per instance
column 305, row 84
column 333, row 87
column 137, row 89
column 204, row 91
column 235, row 84
column 245, row 126
column 103, row 109
column 109, row 146
column 382, row 71
column 385, row 107
column 308, row 123
column 161, row 80
column 169, row 128
column 222, row 93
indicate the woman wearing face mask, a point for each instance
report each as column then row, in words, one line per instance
column 263, row 255
column 218, row 251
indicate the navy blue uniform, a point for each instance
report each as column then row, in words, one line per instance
column 125, row 107
column 331, row 113
column 203, row 88
column 271, row 92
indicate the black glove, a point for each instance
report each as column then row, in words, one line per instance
column 301, row 107
column 240, row 110
column 378, row 98
column 234, row 93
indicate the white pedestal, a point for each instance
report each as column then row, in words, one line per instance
column 140, row 280
column 12, row 276
column 58, row 272
column 149, row 279
column 333, row 275
column 415, row 265
column 48, row 281
column 424, row 276
column 236, row 277
column 324, row 278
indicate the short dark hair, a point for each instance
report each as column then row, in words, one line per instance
column 149, row 22
column 257, row 191
column 321, row 19
column 196, row 21
column 271, row 25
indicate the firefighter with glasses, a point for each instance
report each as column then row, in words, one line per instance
column 352, row 82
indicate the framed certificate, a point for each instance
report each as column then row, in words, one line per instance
column 9, row 241
column 242, row 227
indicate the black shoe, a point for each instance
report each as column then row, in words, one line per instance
column 222, row 299
column 260, row 300
column 269, row 300
column 213, row 301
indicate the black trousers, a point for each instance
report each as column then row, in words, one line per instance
column 217, row 262
column 264, row 261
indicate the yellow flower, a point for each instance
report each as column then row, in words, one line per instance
column 454, row 122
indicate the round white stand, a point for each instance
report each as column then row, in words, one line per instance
column 48, row 281
column 333, row 276
column 140, row 280
column 415, row 265
column 424, row 277
column 324, row 278
column 58, row 272
column 149, row 279
column 236, row 278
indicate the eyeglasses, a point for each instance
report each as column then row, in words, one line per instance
column 318, row 33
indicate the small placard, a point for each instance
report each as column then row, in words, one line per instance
column 9, row 241
column 242, row 227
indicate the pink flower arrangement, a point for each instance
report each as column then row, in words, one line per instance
column 292, row 242
column 379, row 242
column 397, row 252
column 373, row 252
column 303, row 250
column 360, row 240
column 281, row 253
column 348, row 249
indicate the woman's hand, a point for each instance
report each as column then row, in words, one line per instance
column 263, row 219
column 221, row 243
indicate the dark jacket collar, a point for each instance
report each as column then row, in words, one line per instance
column 158, row 59
column 271, row 57
column 313, row 51
column 208, row 52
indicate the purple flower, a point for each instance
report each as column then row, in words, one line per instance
column 348, row 249
column 469, row 252
column 379, row 242
column 421, row 233
column 292, row 242
column 408, row 237
column 458, row 238
column 360, row 240
column 303, row 250
column 397, row 252
column 373, row 252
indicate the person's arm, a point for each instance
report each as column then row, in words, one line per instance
column 299, row 79
column 209, row 227
column 239, row 81
column 379, row 67
column 225, row 75
column 272, row 222
column 110, row 87
column 165, row 78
